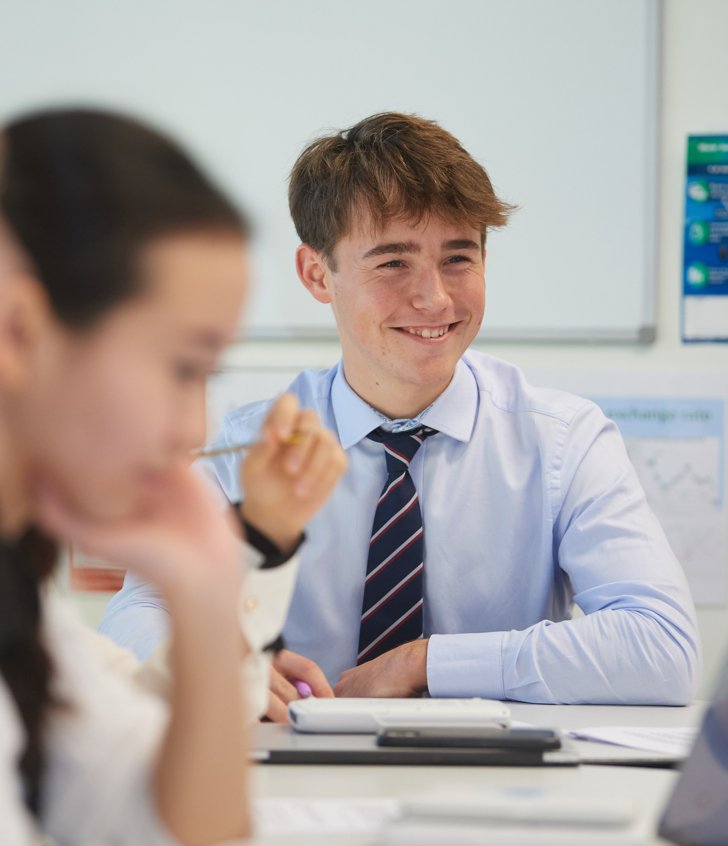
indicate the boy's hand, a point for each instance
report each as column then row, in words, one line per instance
column 290, row 473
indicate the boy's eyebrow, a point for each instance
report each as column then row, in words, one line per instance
column 398, row 247
column 461, row 244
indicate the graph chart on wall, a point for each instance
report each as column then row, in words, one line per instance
column 677, row 446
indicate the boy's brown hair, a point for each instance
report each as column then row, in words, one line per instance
column 390, row 166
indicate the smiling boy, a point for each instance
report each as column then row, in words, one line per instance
column 477, row 510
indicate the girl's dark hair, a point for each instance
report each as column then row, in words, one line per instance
column 24, row 662
column 84, row 193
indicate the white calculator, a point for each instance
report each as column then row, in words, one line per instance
column 368, row 716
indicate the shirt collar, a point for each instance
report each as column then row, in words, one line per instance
column 453, row 413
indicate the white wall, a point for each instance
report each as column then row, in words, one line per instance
column 694, row 99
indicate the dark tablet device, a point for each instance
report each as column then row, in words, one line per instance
column 532, row 739
column 275, row 743
column 410, row 756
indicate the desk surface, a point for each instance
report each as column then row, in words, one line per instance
column 650, row 786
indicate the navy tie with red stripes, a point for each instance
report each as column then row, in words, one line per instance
column 392, row 605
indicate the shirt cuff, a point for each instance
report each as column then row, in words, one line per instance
column 264, row 603
column 466, row 665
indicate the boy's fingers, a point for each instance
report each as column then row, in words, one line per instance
column 297, row 666
column 325, row 465
column 281, row 687
column 278, row 427
column 304, row 442
column 317, row 464
column 297, row 454
column 281, row 419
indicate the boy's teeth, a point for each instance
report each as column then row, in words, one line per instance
column 437, row 332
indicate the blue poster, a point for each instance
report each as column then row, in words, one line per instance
column 705, row 246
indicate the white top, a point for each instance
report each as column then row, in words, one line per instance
column 140, row 651
column 100, row 750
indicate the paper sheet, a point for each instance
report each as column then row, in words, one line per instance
column 675, row 742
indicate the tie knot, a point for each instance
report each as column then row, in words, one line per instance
column 400, row 447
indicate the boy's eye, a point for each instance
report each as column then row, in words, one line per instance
column 393, row 263
column 457, row 259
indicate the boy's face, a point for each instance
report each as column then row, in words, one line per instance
column 408, row 301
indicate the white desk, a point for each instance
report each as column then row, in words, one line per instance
column 649, row 786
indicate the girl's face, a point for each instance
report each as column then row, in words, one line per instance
column 111, row 409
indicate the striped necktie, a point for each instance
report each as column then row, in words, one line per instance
column 392, row 605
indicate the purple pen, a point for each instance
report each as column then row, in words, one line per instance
column 303, row 688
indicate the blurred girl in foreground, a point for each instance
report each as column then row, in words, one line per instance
column 122, row 275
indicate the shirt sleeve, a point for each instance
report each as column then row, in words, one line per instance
column 637, row 642
column 136, row 618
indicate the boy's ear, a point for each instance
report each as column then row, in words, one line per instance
column 313, row 272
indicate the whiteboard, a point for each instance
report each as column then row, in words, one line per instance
column 556, row 99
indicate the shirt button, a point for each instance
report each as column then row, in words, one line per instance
column 250, row 604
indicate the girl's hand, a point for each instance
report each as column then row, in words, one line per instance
column 290, row 473
column 177, row 537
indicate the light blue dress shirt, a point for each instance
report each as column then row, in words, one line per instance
column 529, row 504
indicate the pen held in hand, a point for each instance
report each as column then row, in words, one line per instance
column 212, row 452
